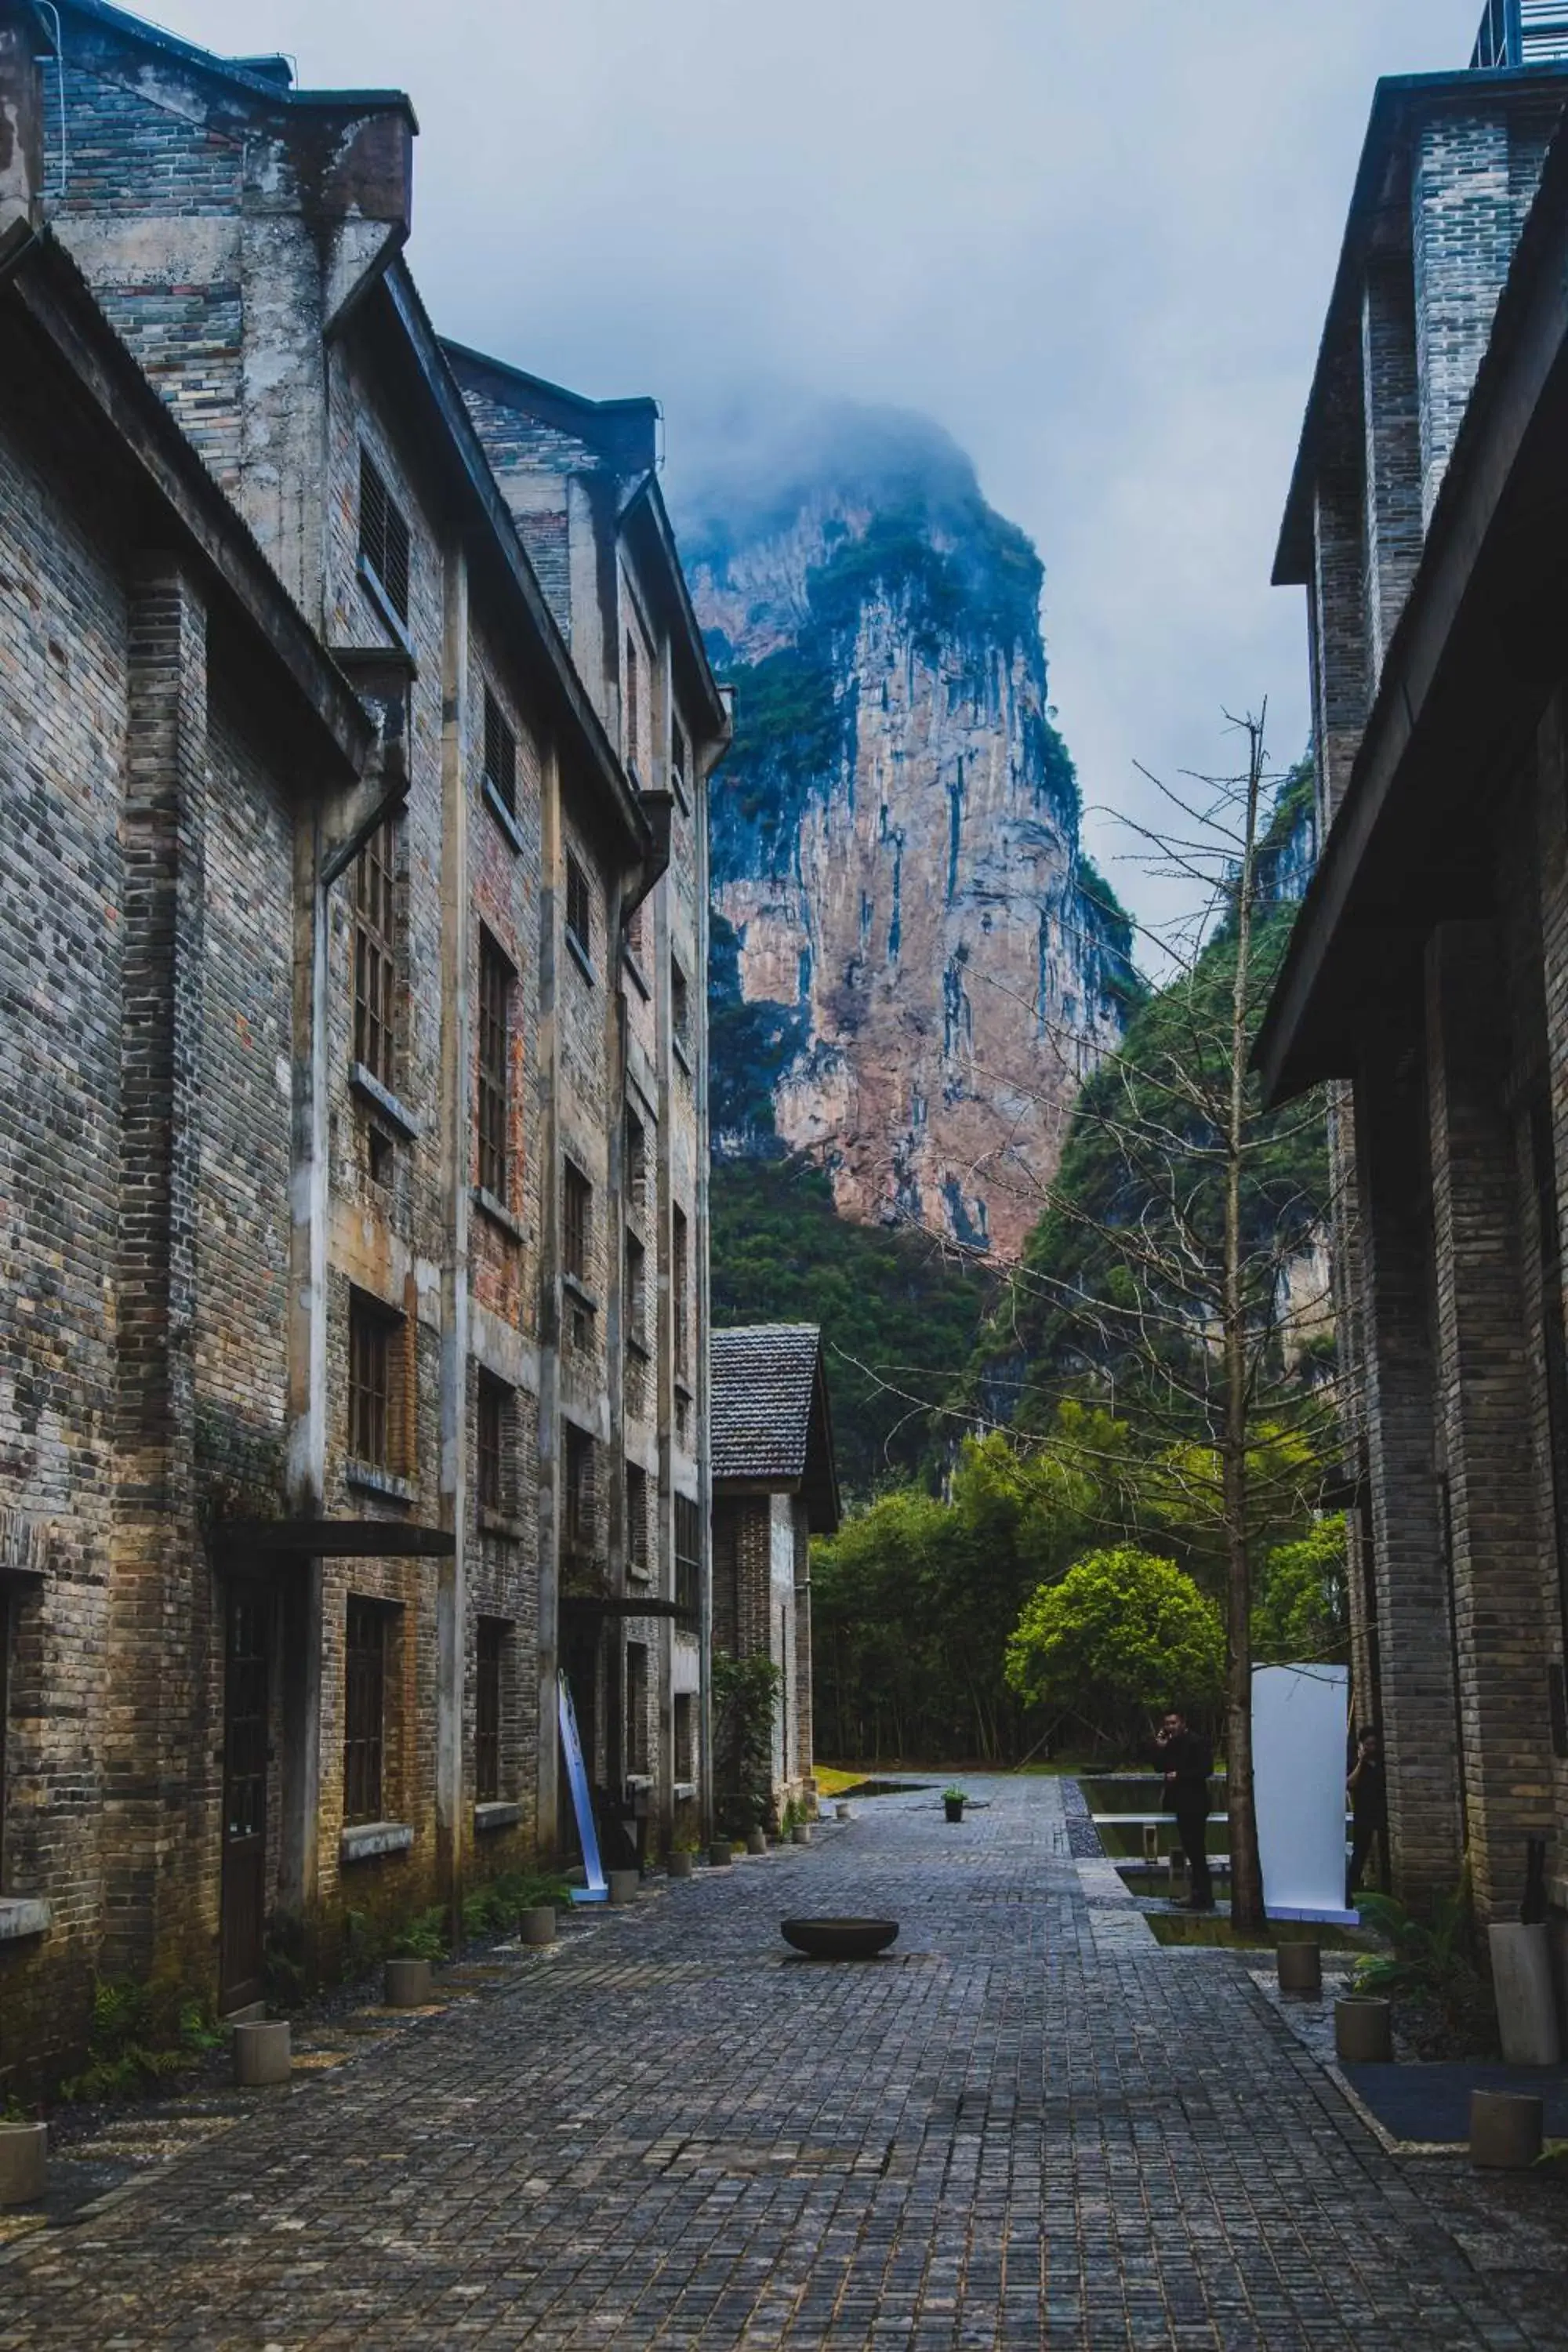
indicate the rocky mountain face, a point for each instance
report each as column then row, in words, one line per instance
column 914, row 965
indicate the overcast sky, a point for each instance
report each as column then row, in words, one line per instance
column 1094, row 241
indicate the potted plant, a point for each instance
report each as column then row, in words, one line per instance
column 680, row 1859
column 953, row 1801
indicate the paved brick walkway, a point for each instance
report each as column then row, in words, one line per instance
column 1029, row 2126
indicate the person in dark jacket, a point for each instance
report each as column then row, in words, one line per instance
column 1187, row 1759
column 1367, row 1789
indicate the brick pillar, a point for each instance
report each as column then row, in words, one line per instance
column 1419, row 1719
column 1391, row 403
column 155, row 1871
column 1485, row 1415
column 1341, row 691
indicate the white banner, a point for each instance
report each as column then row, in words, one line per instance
column 1298, row 1730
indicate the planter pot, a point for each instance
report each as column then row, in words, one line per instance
column 1506, row 2130
column 261, row 2054
column 680, row 1865
column 843, row 1812
column 24, row 2154
column 624, row 1884
column 757, row 1840
column 407, row 1984
column 839, row 1939
column 1301, row 1967
column 954, row 1807
column 1522, row 1979
column 721, row 1854
column 1364, row 2035
column 801, row 1833
column 537, row 1925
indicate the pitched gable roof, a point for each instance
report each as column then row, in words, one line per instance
column 772, row 1425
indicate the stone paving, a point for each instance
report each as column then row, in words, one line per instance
column 1028, row 2125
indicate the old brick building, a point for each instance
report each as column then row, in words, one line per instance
column 355, row 1226
column 1426, row 980
column 775, row 1485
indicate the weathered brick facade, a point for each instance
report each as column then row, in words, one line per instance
column 1424, row 975
column 324, row 991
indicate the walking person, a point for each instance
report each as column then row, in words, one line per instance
column 1367, row 1789
column 1187, row 1760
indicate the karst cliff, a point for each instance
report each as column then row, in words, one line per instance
column 914, row 966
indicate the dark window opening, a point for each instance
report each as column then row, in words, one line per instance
column 375, row 1349
column 638, row 1745
column 679, row 1284
column 496, row 1438
column 383, row 542
column 489, row 1684
column 496, row 978
column 636, row 1520
column 634, row 704
column 364, row 1708
column 684, row 1728
column 677, row 752
column 579, row 907
column 577, row 1222
column 383, row 1157
column 680, row 1005
column 501, row 754
column 687, row 1557
column 1554, row 1347
column 375, row 954
column 634, row 1169
column 579, row 1516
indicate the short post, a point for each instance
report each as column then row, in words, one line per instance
column 624, row 1884
column 261, row 2054
column 757, row 1840
column 24, row 2162
column 719, row 1855
column 801, row 1833
column 1301, row 1967
column 537, row 1924
column 1506, row 2130
column 1150, row 1840
column 680, row 1865
column 407, row 1984
column 842, row 1811
column 1363, row 2031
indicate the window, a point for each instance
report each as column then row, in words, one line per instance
column 636, row 1520
column 684, row 1725
column 635, row 1303
column 375, row 1351
column 634, row 704
column 680, row 1285
column 496, row 978
column 579, row 1513
column 639, row 1747
column 489, row 1683
column 634, row 928
column 500, row 755
column 579, row 908
column 680, row 1006
column 577, row 1222
column 375, row 954
column 634, row 1156
column 678, row 755
column 687, row 1557
column 495, row 1435
column 383, row 537
column 364, row 1704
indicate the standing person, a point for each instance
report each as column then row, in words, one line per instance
column 1368, row 1792
column 1187, row 1759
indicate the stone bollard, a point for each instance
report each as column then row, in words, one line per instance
column 757, row 1840
column 1506, row 2130
column 843, row 1812
column 624, row 1884
column 680, row 1865
column 24, row 2161
column 1301, row 1967
column 537, row 1925
column 719, row 1855
column 1364, row 2035
column 801, row 1833
column 261, row 2054
column 407, row 1984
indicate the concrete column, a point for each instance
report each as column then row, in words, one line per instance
column 156, row 1773
column 1419, row 1721
column 1485, row 1405
column 452, row 1817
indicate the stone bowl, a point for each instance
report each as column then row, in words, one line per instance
column 839, row 1939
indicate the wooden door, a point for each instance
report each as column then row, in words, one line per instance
column 246, row 1693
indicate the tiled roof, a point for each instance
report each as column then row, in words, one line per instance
column 763, row 1378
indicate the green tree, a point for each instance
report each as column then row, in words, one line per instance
column 1301, row 1611
column 1121, row 1633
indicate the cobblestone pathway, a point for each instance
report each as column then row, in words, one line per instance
column 1029, row 2126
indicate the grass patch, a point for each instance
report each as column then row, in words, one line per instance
column 832, row 1781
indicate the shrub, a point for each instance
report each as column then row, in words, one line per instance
column 1124, row 1632
column 140, row 2033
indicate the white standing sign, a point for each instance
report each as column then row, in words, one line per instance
column 1298, row 1731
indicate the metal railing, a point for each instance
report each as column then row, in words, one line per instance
column 1520, row 32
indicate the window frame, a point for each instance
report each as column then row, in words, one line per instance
column 579, row 907
column 386, row 542
column 579, row 1516
column 679, row 1008
column 639, row 1551
column 491, row 1643
column 577, row 1222
column 500, row 752
column 688, row 1518
column 376, row 956
column 679, row 1289
column 495, row 1402
column 376, row 1331
column 492, row 1105
column 365, row 1681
